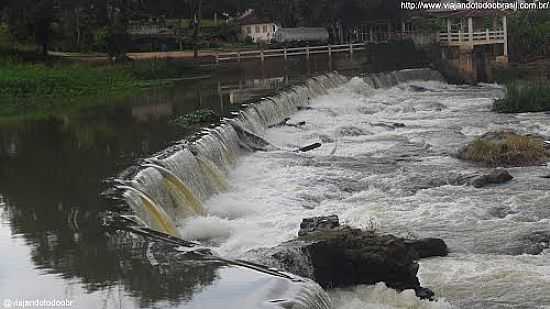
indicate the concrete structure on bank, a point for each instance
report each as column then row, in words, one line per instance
column 474, row 41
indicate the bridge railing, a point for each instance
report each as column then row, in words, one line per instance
column 476, row 38
column 287, row 52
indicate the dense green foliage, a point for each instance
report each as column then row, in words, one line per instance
column 524, row 96
column 102, row 25
column 46, row 87
column 197, row 117
column 27, row 88
column 20, row 80
column 529, row 35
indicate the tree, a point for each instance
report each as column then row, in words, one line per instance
column 31, row 21
column 528, row 34
column 112, row 37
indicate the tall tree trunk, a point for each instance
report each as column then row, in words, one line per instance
column 78, row 34
column 45, row 49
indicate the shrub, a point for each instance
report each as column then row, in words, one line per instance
column 200, row 116
column 523, row 96
column 512, row 150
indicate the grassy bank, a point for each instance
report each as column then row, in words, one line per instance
column 42, row 87
column 524, row 96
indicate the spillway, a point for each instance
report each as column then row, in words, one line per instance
column 387, row 148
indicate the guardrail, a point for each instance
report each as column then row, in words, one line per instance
column 288, row 52
column 475, row 38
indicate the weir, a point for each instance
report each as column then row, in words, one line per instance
column 179, row 179
column 172, row 185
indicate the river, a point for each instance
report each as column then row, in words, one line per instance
column 371, row 173
column 388, row 179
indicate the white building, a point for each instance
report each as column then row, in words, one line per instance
column 259, row 29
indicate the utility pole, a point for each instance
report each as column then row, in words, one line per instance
column 196, row 28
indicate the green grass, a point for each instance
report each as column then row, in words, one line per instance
column 514, row 150
column 200, row 116
column 29, row 88
column 524, row 96
column 39, row 87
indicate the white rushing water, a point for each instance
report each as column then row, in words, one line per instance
column 393, row 178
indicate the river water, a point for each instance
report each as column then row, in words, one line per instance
column 395, row 179
column 369, row 172
column 53, row 170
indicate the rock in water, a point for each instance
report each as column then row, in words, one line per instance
column 318, row 224
column 428, row 247
column 337, row 255
column 495, row 177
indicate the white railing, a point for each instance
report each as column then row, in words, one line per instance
column 287, row 52
column 475, row 38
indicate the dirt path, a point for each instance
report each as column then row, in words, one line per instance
column 99, row 57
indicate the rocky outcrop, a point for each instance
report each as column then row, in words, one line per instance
column 336, row 255
column 427, row 247
column 497, row 176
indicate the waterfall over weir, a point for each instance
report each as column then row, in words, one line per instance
column 173, row 185
column 178, row 180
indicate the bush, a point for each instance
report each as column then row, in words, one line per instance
column 197, row 117
column 527, row 34
column 508, row 149
column 523, row 96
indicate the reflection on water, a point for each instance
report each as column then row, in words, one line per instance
column 51, row 177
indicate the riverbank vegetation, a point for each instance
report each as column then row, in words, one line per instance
column 529, row 35
column 505, row 149
column 527, row 78
column 40, row 86
column 525, row 96
column 198, row 117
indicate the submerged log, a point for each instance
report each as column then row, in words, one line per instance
column 310, row 147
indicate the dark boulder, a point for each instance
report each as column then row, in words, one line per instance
column 539, row 241
column 337, row 255
column 497, row 176
column 428, row 247
column 318, row 224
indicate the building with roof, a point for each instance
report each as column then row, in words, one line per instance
column 259, row 29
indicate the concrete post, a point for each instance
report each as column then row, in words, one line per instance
column 351, row 48
column 307, row 52
column 329, row 50
column 262, row 55
column 449, row 30
column 505, row 29
column 220, row 95
column 471, row 30
column 371, row 34
column 285, row 54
